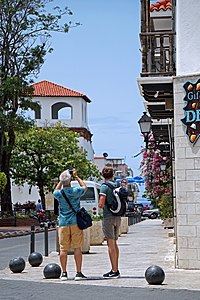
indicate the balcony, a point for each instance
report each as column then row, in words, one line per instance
column 158, row 54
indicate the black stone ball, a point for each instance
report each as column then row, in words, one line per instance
column 35, row 259
column 17, row 265
column 154, row 275
column 52, row 271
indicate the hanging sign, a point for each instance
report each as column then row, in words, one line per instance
column 192, row 110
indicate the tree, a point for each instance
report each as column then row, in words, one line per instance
column 26, row 29
column 41, row 154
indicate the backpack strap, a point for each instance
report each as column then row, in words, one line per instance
column 112, row 188
column 66, row 198
column 109, row 185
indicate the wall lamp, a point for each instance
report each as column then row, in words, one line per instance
column 145, row 126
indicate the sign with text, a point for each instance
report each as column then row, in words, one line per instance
column 192, row 110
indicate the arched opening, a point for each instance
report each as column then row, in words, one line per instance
column 61, row 111
column 32, row 114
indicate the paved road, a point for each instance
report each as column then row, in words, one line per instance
column 20, row 246
column 17, row 290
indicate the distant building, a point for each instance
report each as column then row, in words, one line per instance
column 65, row 105
column 121, row 169
column 57, row 104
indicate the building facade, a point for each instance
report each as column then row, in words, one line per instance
column 65, row 105
column 170, row 85
column 186, row 133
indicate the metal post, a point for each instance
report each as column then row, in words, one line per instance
column 146, row 141
column 32, row 245
column 46, row 250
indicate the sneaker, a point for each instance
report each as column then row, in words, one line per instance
column 64, row 276
column 112, row 274
column 80, row 276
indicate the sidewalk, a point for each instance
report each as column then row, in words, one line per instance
column 146, row 244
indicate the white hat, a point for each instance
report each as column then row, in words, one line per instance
column 65, row 177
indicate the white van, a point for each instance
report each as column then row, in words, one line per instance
column 91, row 198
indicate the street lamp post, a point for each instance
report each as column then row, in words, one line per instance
column 145, row 126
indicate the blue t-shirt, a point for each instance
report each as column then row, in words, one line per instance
column 66, row 215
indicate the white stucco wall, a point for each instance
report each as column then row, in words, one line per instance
column 79, row 110
column 22, row 194
column 87, row 145
column 79, row 117
column 188, row 42
column 187, row 174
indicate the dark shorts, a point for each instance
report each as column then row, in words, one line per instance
column 111, row 227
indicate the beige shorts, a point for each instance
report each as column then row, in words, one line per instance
column 111, row 227
column 70, row 237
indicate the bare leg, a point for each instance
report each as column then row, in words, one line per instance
column 63, row 260
column 78, row 259
column 113, row 252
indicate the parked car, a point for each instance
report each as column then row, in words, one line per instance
column 91, row 197
column 144, row 202
column 151, row 213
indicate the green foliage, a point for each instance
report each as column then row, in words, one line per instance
column 26, row 29
column 95, row 217
column 165, row 206
column 41, row 154
column 22, row 216
column 3, row 181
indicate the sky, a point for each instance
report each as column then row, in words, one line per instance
column 102, row 59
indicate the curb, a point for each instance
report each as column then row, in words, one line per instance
column 17, row 233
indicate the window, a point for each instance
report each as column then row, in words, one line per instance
column 31, row 114
column 89, row 196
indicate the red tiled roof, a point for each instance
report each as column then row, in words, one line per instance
column 161, row 5
column 49, row 89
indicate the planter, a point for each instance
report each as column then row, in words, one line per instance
column 96, row 233
column 124, row 225
column 168, row 223
column 86, row 242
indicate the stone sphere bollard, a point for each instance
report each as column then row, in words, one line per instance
column 52, row 271
column 154, row 275
column 35, row 259
column 17, row 265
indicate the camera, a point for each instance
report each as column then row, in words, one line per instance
column 71, row 172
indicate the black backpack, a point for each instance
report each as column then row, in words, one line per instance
column 118, row 206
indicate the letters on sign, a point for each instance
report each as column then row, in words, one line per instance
column 192, row 110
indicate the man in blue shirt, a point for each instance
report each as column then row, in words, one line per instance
column 70, row 236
